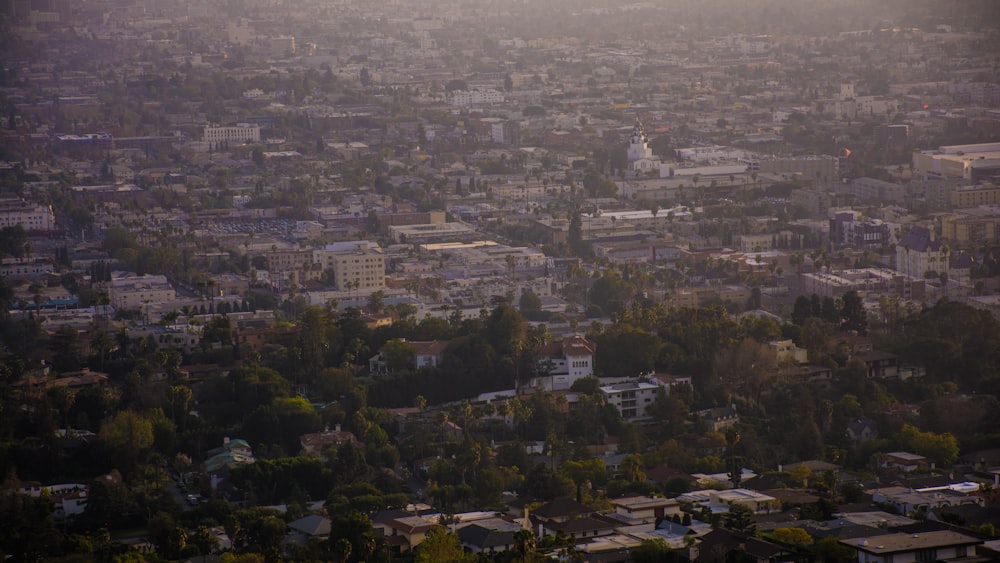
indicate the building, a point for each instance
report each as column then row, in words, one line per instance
column 892, row 136
column 847, row 231
column 631, row 399
column 240, row 133
column 133, row 292
column 640, row 156
column 904, row 461
column 425, row 354
column 813, row 201
column 871, row 189
column 432, row 233
column 957, row 161
column 358, row 265
column 70, row 499
column 937, row 545
column 974, row 196
column 720, row 418
column 919, row 252
column 643, row 509
column 32, row 218
column 821, row 169
column 972, row 226
column 721, row 501
column 463, row 98
column 785, row 351
column 564, row 362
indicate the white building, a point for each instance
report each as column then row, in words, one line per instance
column 640, row 156
column 565, row 362
column 631, row 399
column 132, row 292
column 919, row 252
column 462, row 98
column 31, row 217
column 239, row 133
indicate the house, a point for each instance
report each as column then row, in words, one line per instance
column 881, row 365
column 862, row 430
column 907, row 501
column 723, row 546
column 317, row 442
column 785, row 351
column 404, row 532
column 482, row 539
column 564, row 362
column 425, row 354
column 233, row 453
column 643, row 509
column 904, row 460
column 69, row 499
column 578, row 528
column 721, row 501
column 560, row 510
column 720, row 418
column 308, row 528
column 927, row 546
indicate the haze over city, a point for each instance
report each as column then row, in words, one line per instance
column 500, row 281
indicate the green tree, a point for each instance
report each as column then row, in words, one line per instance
column 441, row 545
column 792, row 536
column 651, row 551
column 129, row 434
column 740, row 520
column 852, row 313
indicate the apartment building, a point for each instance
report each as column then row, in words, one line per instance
column 239, row 133
column 358, row 265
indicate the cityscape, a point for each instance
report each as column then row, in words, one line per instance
column 500, row 281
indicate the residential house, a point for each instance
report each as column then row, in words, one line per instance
column 882, row 365
column 904, row 461
column 403, row 533
column 69, row 499
column 643, row 509
column 722, row 546
column 483, row 539
column 425, row 354
column 862, row 430
column 317, row 442
column 907, row 501
column 785, row 351
column 927, row 546
column 720, row 418
column 721, row 501
column 308, row 528
column 232, row 453
column 565, row 361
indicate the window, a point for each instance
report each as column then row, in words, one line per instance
column 926, row 555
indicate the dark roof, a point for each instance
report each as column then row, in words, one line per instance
column 919, row 239
column 481, row 537
column 312, row 525
column 717, row 543
column 584, row 524
column 561, row 507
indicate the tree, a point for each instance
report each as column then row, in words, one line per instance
column 942, row 448
column 398, row 355
column 792, row 536
column 651, row 551
column 441, row 545
column 524, row 545
column 740, row 520
column 129, row 433
column 853, row 315
column 530, row 301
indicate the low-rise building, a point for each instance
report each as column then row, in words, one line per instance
column 132, row 292
column 937, row 545
column 722, row 501
column 631, row 399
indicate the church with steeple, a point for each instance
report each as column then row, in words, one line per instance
column 640, row 156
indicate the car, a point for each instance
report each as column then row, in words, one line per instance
column 192, row 500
